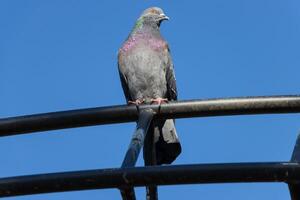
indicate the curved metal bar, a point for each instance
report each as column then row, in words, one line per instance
column 136, row 143
column 154, row 175
column 124, row 113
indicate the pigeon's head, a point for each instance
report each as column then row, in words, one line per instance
column 154, row 15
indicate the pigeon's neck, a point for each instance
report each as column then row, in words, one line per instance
column 144, row 31
column 145, row 27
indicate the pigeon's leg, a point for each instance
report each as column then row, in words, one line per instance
column 159, row 100
column 136, row 102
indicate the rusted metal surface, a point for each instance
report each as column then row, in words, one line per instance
column 124, row 113
column 151, row 175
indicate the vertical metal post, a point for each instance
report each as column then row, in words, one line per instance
column 294, row 187
column 150, row 159
column 137, row 141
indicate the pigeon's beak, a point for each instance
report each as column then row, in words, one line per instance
column 164, row 17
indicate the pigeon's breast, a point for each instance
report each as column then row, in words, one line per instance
column 145, row 70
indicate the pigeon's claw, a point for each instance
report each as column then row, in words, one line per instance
column 136, row 102
column 159, row 101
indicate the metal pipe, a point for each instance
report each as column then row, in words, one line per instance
column 294, row 187
column 151, row 175
column 150, row 159
column 120, row 114
column 137, row 140
column 136, row 143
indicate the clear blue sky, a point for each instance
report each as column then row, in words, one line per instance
column 60, row 55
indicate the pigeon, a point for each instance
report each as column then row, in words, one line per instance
column 147, row 76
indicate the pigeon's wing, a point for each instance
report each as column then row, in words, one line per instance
column 121, row 66
column 170, row 76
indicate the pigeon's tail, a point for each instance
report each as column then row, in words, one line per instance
column 166, row 142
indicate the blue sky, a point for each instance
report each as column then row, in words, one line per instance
column 60, row 55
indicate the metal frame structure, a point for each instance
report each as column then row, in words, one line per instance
column 127, row 177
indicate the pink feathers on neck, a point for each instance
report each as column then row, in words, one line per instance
column 154, row 43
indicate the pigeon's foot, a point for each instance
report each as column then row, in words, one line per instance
column 136, row 102
column 159, row 101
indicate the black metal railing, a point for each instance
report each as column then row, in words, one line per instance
column 127, row 177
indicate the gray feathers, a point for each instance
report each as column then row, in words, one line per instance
column 146, row 72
